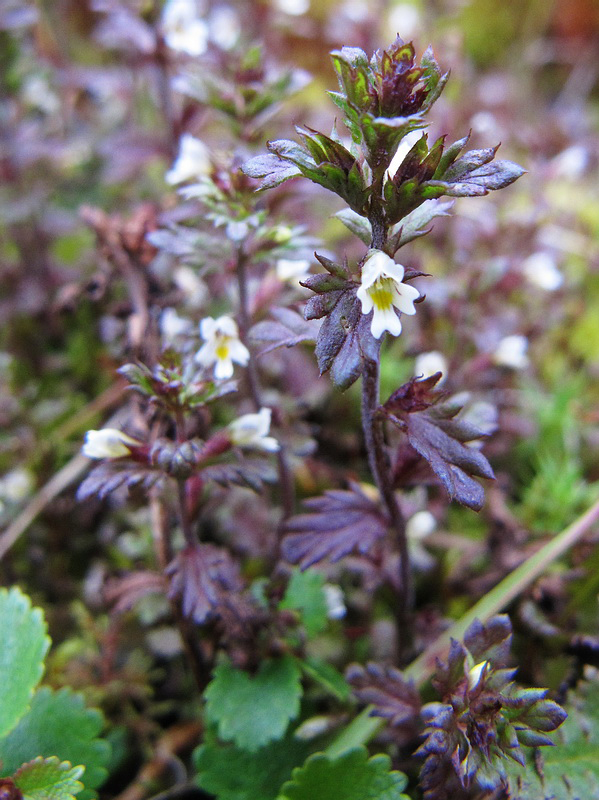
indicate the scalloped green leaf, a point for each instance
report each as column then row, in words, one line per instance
column 59, row 724
column 305, row 594
column 256, row 776
column 49, row 779
column 351, row 776
column 24, row 646
column 254, row 710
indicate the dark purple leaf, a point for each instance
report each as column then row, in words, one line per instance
column 438, row 434
column 491, row 641
column 450, row 460
column 252, row 473
column 202, row 576
column 337, row 523
column 125, row 592
column 117, row 478
column 288, row 329
column 394, row 698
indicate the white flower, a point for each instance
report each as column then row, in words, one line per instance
column 223, row 346
column 172, row 325
column 225, row 27
column 193, row 287
column 420, row 526
column 511, row 352
column 183, row 29
column 251, row 430
column 429, row 363
column 192, row 162
column 333, row 597
column 541, row 270
column 16, row 484
column 291, row 270
column 382, row 290
column 294, row 8
column 108, row 443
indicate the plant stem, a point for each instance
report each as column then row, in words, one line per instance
column 285, row 476
column 189, row 634
column 379, row 467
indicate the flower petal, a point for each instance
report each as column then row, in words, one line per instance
column 385, row 320
column 404, row 296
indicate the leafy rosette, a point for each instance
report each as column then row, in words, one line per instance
column 483, row 719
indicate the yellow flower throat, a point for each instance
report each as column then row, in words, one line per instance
column 381, row 294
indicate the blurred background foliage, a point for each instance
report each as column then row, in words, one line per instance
column 88, row 118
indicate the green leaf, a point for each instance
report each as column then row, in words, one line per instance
column 255, row 776
column 352, row 776
column 49, row 779
column 254, row 710
column 327, row 676
column 569, row 771
column 357, row 224
column 24, row 646
column 305, row 593
column 58, row 723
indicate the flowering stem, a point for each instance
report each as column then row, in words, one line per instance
column 285, row 476
column 193, row 647
column 379, row 467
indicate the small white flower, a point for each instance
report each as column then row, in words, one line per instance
column 541, row 270
column 108, row 443
column 193, row 287
column 420, row 526
column 291, row 270
column 294, row 8
column 382, row 290
column 333, row 597
column 192, row 162
column 16, row 485
column 172, row 325
column 183, row 29
column 511, row 352
column 481, row 415
column 222, row 347
column 429, row 363
column 225, row 27
column 251, row 430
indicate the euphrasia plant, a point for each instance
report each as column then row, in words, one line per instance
column 383, row 99
column 248, row 641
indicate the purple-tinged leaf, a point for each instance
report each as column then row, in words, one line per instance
column 202, row 576
column 270, row 169
column 438, row 434
column 336, row 524
column 288, row 329
column 490, row 642
column 251, row 473
column 117, row 478
column 394, row 698
column 125, row 592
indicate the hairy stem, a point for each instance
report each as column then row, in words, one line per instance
column 196, row 658
column 285, row 475
column 380, row 469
